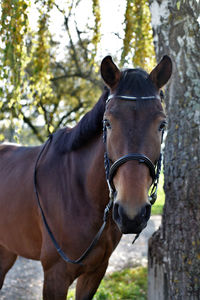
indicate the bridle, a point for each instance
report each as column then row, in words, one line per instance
column 141, row 158
column 110, row 173
column 111, row 169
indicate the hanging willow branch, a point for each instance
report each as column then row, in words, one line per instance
column 138, row 39
column 97, row 24
column 25, row 61
column 41, row 86
column 13, row 53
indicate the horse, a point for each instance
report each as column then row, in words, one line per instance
column 58, row 192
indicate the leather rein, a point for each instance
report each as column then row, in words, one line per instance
column 110, row 171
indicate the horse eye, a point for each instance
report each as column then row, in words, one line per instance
column 162, row 126
column 107, row 123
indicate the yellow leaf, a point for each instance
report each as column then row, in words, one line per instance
column 51, row 128
column 1, row 137
column 40, row 110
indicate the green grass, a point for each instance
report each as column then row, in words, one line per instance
column 129, row 284
column 157, row 207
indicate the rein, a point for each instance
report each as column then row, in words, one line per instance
column 110, row 172
column 51, row 235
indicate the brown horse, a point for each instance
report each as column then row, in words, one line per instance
column 72, row 187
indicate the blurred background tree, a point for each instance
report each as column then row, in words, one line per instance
column 41, row 90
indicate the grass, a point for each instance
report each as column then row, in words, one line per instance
column 129, row 284
column 157, row 207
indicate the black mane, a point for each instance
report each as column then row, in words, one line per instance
column 67, row 139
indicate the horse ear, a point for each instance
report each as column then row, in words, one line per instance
column 162, row 72
column 109, row 72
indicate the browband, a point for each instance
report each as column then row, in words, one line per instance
column 131, row 97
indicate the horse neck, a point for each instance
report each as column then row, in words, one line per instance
column 87, row 167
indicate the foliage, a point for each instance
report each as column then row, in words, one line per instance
column 124, row 285
column 25, row 71
column 97, row 15
column 14, row 26
column 41, row 90
column 35, row 88
column 138, row 39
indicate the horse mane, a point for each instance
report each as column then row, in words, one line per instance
column 69, row 139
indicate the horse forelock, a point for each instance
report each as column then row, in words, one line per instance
column 135, row 82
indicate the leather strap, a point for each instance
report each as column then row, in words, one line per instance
column 51, row 235
column 141, row 158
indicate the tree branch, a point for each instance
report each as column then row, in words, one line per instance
column 33, row 128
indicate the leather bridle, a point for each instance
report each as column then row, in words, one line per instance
column 110, row 173
column 111, row 169
column 141, row 158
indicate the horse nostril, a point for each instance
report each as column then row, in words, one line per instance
column 131, row 225
column 146, row 212
column 143, row 212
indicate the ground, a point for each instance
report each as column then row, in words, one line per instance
column 24, row 280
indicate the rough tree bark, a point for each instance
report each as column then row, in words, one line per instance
column 174, row 250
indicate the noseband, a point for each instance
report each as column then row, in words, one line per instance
column 141, row 158
column 135, row 156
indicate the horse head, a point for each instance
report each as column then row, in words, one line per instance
column 133, row 120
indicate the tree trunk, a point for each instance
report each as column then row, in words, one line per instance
column 174, row 250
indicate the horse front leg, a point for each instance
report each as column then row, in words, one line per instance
column 56, row 281
column 88, row 283
column 7, row 260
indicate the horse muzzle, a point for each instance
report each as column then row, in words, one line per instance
column 126, row 224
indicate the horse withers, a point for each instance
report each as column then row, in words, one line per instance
column 72, row 185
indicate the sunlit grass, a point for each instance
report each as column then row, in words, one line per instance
column 129, row 284
column 157, row 207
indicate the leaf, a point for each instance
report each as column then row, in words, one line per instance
column 1, row 137
column 51, row 129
